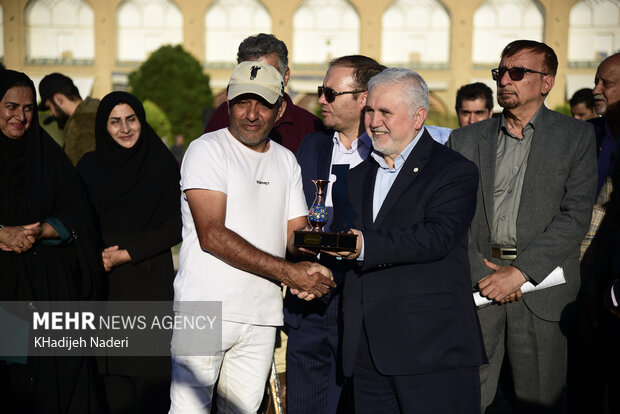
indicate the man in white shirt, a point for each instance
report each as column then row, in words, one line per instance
column 242, row 200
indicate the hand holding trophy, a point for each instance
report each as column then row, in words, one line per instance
column 317, row 239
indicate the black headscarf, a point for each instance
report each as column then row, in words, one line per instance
column 37, row 181
column 24, row 198
column 130, row 187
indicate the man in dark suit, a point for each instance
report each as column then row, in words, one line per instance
column 411, row 338
column 596, row 360
column 537, row 185
column 606, row 104
column 314, row 377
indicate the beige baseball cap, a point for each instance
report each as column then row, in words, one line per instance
column 257, row 78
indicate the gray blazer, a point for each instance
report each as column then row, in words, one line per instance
column 559, row 189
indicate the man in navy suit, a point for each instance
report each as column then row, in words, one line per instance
column 412, row 341
column 314, row 380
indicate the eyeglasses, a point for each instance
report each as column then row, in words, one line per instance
column 516, row 74
column 330, row 94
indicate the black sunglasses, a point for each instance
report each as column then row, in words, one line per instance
column 516, row 74
column 330, row 94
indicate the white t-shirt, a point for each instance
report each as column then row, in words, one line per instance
column 263, row 192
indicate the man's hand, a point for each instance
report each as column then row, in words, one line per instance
column 113, row 256
column 34, row 230
column 512, row 297
column 309, row 280
column 346, row 254
column 503, row 283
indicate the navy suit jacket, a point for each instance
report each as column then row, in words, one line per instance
column 314, row 157
column 412, row 290
column 599, row 131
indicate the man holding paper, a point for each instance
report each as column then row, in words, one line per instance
column 537, row 186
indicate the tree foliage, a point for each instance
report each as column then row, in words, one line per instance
column 563, row 109
column 158, row 120
column 173, row 79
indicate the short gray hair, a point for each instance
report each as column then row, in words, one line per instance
column 263, row 44
column 414, row 88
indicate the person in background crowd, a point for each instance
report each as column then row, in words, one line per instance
column 76, row 117
column 474, row 103
column 582, row 105
column 597, row 362
column 606, row 104
column 132, row 180
column 295, row 122
column 48, row 252
column 178, row 149
column 538, row 183
column 313, row 357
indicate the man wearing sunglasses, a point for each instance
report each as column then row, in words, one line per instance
column 295, row 121
column 537, row 185
column 314, row 380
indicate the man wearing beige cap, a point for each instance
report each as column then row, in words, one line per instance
column 242, row 200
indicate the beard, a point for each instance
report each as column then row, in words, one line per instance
column 600, row 105
column 508, row 101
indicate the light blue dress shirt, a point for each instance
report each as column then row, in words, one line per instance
column 386, row 177
column 439, row 134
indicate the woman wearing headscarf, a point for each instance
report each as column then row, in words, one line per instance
column 47, row 253
column 132, row 179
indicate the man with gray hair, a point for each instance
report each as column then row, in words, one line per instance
column 411, row 336
column 295, row 122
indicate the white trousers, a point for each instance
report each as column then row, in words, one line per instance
column 242, row 365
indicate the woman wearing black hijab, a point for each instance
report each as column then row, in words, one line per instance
column 47, row 252
column 132, row 179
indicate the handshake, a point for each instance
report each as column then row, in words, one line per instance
column 307, row 280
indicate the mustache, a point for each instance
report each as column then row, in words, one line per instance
column 599, row 97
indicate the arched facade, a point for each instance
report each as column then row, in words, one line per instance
column 60, row 30
column 145, row 25
column 227, row 23
column 416, row 33
column 123, row 32
column 594, row 31
column 498, row 22
column 323, row 30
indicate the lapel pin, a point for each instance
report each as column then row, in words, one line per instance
column 415, row 169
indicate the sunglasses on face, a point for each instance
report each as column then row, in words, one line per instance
column 330, row 94
column 516, row 74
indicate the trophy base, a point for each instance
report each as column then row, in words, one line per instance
column 316, row 241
